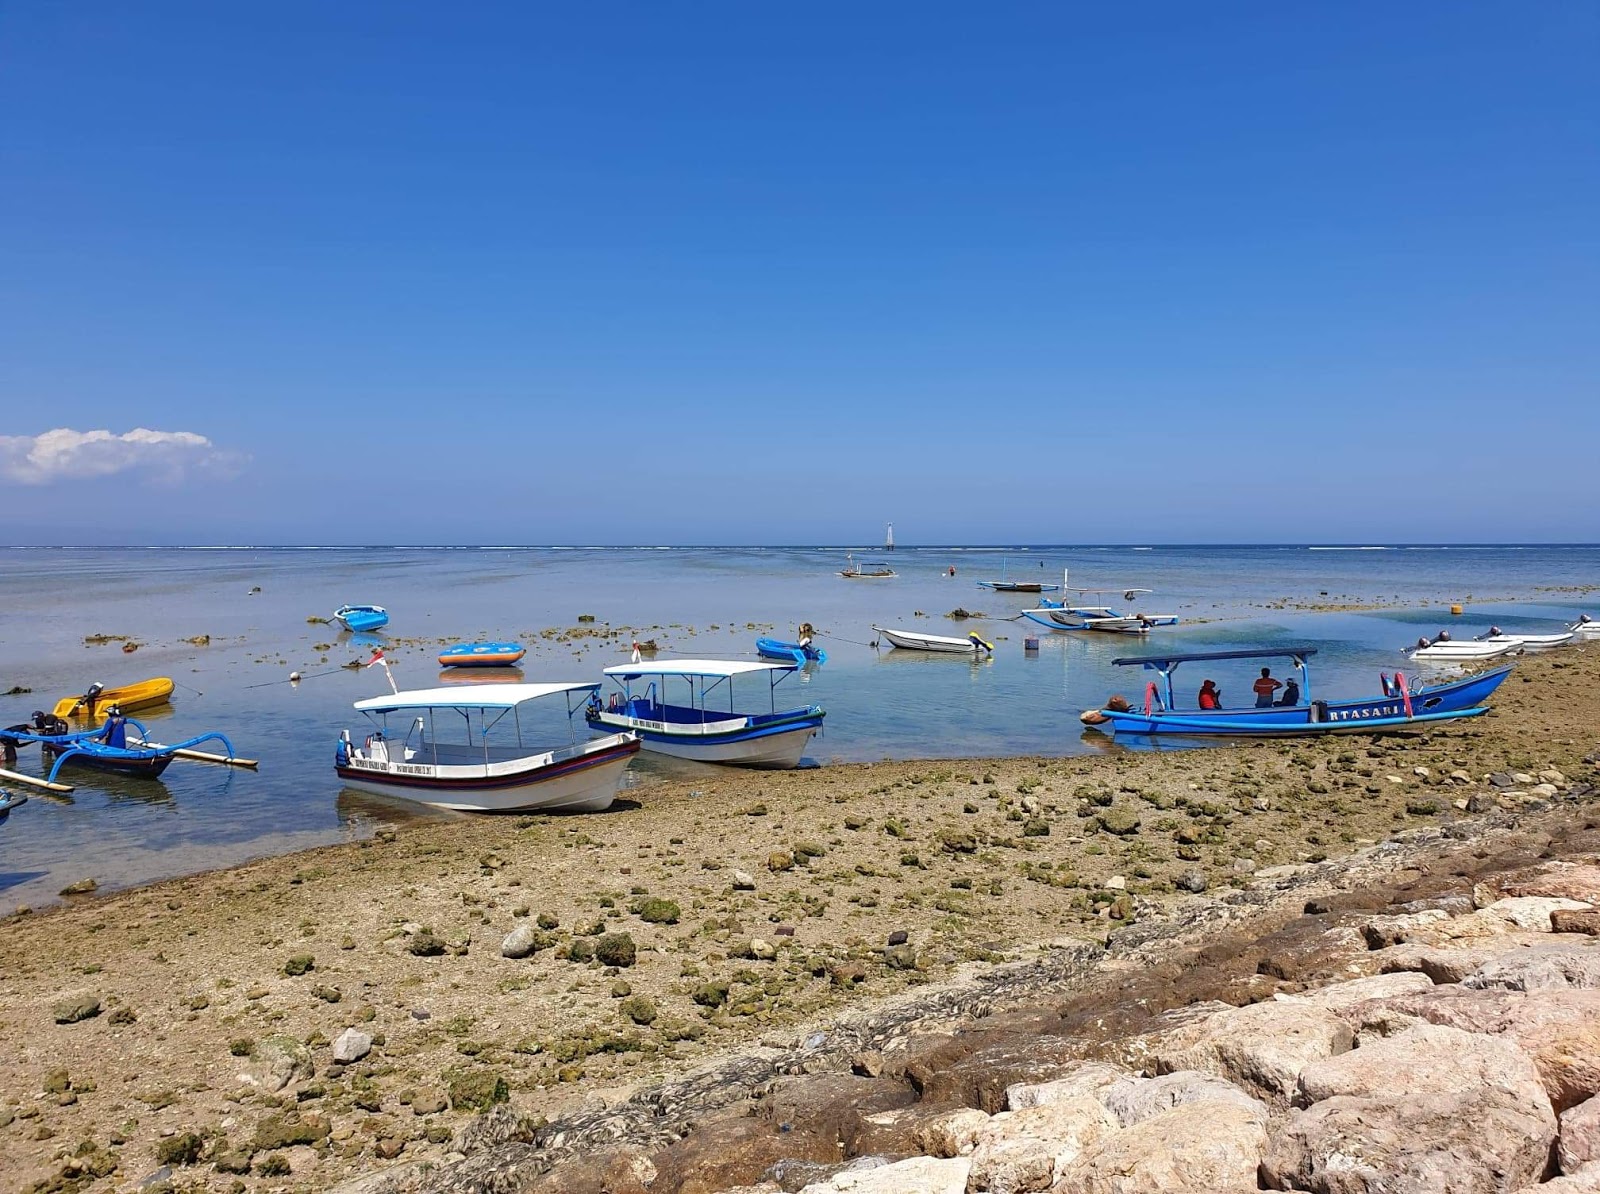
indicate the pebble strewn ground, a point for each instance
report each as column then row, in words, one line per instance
column 304, row 1020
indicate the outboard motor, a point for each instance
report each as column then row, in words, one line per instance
column 1444, row 637
column 1495, row 632
column 1423, row 642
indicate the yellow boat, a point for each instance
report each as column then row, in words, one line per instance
column 92, row 705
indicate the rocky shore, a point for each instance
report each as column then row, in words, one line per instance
column 1130, row 972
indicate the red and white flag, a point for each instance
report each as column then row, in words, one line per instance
column 377, row 656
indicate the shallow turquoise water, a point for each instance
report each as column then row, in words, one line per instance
column 693, row 601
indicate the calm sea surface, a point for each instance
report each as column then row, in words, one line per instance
column 702, row 602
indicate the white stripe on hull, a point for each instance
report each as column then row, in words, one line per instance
column 775, row 752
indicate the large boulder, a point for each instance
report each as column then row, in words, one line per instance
column 1084, row 1078
column 1474, row 1143
column 1585, row 1181
column 1134, row 1100
column 276, row 1061
column 1563, row 880
column 915, row 1175
column 1563, row 961
column 1339, row 997
column 936, row 1129
column 1431, row 1109
column 1532, row 913
column 1578, row 1143
column 1262, row 1047
column 1560, row 1030
column 1199, row 1146
column 1028, row 1150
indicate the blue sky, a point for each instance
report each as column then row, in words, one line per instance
column 744, row 273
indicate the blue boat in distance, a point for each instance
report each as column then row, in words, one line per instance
column 482, row 655
column 361, row 617
column 1398, row 709
column 801, row 652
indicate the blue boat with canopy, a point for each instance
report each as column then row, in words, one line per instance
column 688, row 727
column 1398, row 708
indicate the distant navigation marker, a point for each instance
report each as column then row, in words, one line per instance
column 888, row 538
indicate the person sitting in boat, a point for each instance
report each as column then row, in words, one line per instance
column 116, row 731
column 1265, row 688
column 1210, row 695
column 1291, row 693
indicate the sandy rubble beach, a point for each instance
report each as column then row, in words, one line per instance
column 305, row 1020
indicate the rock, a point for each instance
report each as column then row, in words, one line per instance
column 1578, row 1142
column 526, row 939
column 1433, row 1108
column 278, row 1060
column 832, row 1107
column 1118, row 820
column 743, row 881
column 1584, row 1181
column 952, row 1133
column 1533, row 912
column 1564, row 920
column 1384, row 931
column 475, row 1090
column 780, row 860
column 286, row 1129
column 1029, row 1149
column 915, row 1175
column 428, row 1102
column 1133, row 1100
column 81, row 887
column 1116, row 883
column 235, row 1160
column 1560, row 964
column 1339, row 997
column 1199, row 1146
column 762, row 950
column 1558, row 1029
column 616, row 949
column 1194, row 881
column 900, row 957
column 641, row 1009
column 351, row 1046
column 1262, row 1047
column 1082, row 1078
column 299, row 964
column 1474, row 1142
column 75, row 1008
column 424, row 944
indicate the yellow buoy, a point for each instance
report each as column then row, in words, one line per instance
column 1455, row 610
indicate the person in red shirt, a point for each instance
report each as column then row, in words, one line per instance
column 1210, row 695
column 1265, row 688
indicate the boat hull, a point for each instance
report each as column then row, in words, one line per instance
column 146, row 694
column 1367, row 715
column 775, row 743
column 943, row 644
column 482, row 655
column 140, row 764
column 771, row 648
column 9, row 802
column 584, row 779
column 361, row 617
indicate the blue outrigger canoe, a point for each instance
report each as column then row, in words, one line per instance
column 801, row 653
column 1399, row 709
column 10, row 801
column 109, row 749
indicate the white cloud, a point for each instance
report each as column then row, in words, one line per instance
column 163, row 457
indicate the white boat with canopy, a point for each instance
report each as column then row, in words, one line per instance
column 688, row 727
column 485, row 765
column 1068, row 614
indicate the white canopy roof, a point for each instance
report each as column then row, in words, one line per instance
column 718, row 668
column 479, row 696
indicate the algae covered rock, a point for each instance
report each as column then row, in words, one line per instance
column 616, row 949
column 476, row 1090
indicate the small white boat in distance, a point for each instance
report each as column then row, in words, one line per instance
column 912, row 640
column 1528, row 642
column 1442, row 649
column 775, row 740
column 475, row 774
